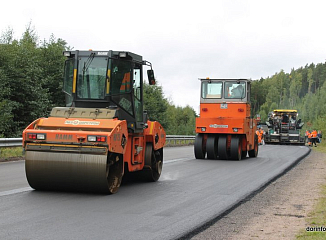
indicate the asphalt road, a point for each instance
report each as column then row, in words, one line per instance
column 189, row 193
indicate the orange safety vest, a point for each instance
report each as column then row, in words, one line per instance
column 309, row 138
column 228, row 91
column 314, row 134
column 125, row 85
column 259, row 136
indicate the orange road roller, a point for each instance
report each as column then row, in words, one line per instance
column 102, row 133
column 225, row 129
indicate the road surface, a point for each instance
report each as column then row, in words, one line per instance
column 189, row 193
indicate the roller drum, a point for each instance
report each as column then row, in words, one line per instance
column 66, row 171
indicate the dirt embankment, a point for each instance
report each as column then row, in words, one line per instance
column 280, row 210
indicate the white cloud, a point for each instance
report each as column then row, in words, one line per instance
column 186, row 40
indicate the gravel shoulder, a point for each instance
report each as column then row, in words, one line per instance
column 279, row 210
column 10, row 159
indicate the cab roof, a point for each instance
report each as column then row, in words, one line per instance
column 285, row 111
column 225, row 79
column 109, row 53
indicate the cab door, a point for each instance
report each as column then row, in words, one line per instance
column 138, row 96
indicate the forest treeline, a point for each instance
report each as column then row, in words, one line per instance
column 31, row 76
column 303, row 89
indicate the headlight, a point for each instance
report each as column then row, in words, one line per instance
column 235, row 130
column 36, row 136
column 66, row 54
column 203, row 129
column 96, row 138
column 122, row 54
column 91, row 138
column 40, row 136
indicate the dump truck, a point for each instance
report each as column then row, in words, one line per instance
column 284, row 127
column 102, row 133
column 225, row 128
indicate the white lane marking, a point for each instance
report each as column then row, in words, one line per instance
column 177, row 160
column 14, row 191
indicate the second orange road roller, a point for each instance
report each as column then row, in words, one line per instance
column 225, row 129
column 102, row 133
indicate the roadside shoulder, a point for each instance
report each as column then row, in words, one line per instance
column 279, row 211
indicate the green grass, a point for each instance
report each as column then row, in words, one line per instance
column 321, row 147
column 174, row 143
column 6, row 153
column 317, row 218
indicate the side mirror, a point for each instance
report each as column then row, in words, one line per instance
column 151, row 78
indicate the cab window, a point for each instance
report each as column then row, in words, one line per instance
column 121, row 76
column 211, row 90
column 235, row 89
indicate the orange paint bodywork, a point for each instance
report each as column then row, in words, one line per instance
column 136, row 141
column 72, row 133
column 227, row 118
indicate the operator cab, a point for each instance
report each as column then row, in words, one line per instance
column 107, row 79
column 225, row 90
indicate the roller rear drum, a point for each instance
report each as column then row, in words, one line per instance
column 73, row 172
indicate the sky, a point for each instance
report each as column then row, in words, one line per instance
column 185, row 39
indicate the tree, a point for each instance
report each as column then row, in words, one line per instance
column 310, row 80
column 175, row 120
column 303, row 89
column 295, row 88
column 52, row 69
column 155, row 103
column 29, row 79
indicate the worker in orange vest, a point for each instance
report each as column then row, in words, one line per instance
column 261, row 131
column 306, row 135
column 314, row 138
column 125, row 85
column 309, row 138
column 259, row 136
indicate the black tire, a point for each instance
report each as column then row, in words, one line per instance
column 222, row 147
column 244, row 154
column 114, row 174
column 254, row 152
column 211, row 146
column 236, row 148
column 200, row 147
column 153, row 162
